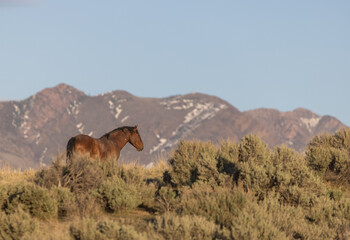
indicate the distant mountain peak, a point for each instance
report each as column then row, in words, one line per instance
column 305, row 112
column 60, row 89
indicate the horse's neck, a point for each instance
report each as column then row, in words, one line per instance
column 120, row 138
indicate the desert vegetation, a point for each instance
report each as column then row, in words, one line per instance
column 230, row 190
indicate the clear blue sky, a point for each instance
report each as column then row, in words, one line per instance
column 274, row 54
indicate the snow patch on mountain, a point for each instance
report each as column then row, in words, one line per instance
column 125, row 118
column 37, row 139
column 80, row 126
column 21, row 118
column 162, row 141
column 177, row 103
column 122, row 100
column 202, row 111
column 118, row 111
column 73, row 108
column 42, row 157
column 115, row 106
column 310, row 123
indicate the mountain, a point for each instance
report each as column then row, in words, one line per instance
column 34, row 130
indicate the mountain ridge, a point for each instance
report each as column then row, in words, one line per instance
column 38, row 127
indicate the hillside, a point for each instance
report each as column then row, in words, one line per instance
column 35, row 129
column 227, row 191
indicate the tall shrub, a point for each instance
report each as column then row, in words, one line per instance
column 118, row 195
column 329, row 156
column 194, row 162
column 16, row 224
column 219, row 204
column 256, row 172
column 38, row 201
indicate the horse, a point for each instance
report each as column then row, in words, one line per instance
column 106, row 147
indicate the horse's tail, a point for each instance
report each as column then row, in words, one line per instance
column 70, row 150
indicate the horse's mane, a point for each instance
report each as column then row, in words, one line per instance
column 120, row 129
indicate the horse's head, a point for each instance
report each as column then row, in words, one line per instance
column 135, row 139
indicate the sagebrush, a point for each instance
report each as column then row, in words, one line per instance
column 242, row 190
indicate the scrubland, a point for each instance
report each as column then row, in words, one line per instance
column 203, row 191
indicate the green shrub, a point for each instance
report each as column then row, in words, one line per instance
column 329, row 212
column 136, row 178
column 227, row 159
column 256, row 171
column 290, row 167
column 16, row 224
column 148, row 196
column 253, row 149
column 255, row 223
column 318, row 153
column 269, row 219
column 83, row 174
column 88, row 204
column 116, row 186
column 66, row 202
column 293, row 180
column 171, row 226
column 53, row 175
column 87, row 228
column 130, row 173
column 113, row 230
column 36, row 200
column 4, row 195
column 257, row 178
column 343, row 232
column 329, row 156
column 341, row 139
column 134, row 175
column 194, row 162
column 219, row 204
column 229, row 191
column 118, row 195
column 282, row 171
column 166, row 199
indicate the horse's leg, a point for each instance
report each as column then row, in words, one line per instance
column 95, row 151
column 117, row 154
column 70, row 150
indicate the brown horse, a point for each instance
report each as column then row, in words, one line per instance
column 107, row 146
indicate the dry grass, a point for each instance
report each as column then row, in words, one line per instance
column 60, row 229
column 15, row 176
column 158, row 169
column 53, row 229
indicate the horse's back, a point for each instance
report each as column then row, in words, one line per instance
column 82, row 145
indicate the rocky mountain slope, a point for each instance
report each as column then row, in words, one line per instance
column 36, row 129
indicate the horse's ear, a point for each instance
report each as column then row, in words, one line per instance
column 135, row 128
